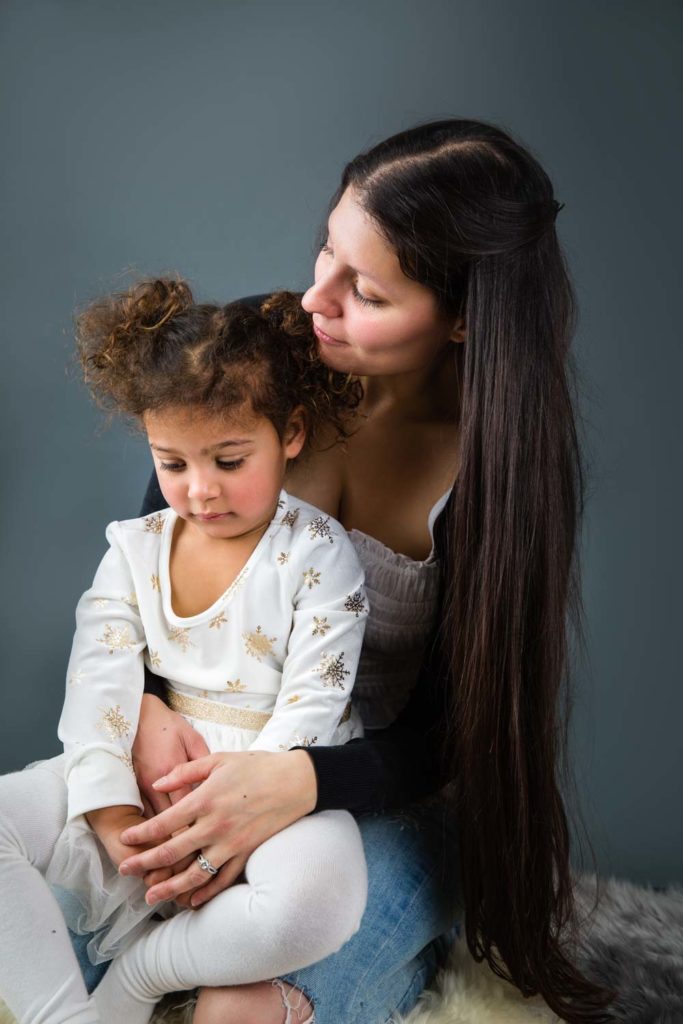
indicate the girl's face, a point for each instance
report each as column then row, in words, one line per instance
column 369, row 318
column 222, row 474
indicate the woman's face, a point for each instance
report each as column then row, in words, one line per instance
column 369, row 318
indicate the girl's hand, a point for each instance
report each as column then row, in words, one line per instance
column 241, row 800
column 163, row 740
column 108, row 823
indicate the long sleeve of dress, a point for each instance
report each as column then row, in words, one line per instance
column 324, row 645
column 104, row 687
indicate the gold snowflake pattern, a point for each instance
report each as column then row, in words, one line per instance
column 311, row 578
column 76, row 678
column 280, row 505
column 355, row 603
column 114, row 723
column 217, row 621
column 332, row 671
column 283, row 558
column 154, row 658
column 235, row 686
column 116, row 638
column 101, row 602
column 156, row 582
column 257, row 644
column 293, row 699
column 126, row 759
column 290, row 518
column 303, row 741
column 320, row 527
column 131, row 600
column 321, row 625
column 180, row 635
column 155, row 523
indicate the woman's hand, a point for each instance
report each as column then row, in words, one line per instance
column 242, row 799
column 163, row 740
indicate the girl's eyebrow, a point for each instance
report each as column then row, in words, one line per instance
column 233, row 443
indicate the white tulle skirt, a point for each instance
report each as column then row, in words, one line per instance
column 95, row 899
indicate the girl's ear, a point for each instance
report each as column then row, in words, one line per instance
column 295, row 433
column 459, row 332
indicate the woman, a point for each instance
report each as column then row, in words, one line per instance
column 442, row 284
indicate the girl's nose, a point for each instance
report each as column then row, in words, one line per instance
column 203, row 487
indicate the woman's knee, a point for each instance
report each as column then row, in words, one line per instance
column 264, row 1002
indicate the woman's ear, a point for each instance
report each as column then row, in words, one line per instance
column 459, row 331
column 295, row 433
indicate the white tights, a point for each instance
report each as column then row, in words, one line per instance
column 304, row 897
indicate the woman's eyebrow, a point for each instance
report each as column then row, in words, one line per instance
column 361, row 273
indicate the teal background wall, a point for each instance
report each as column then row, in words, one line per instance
column 206, row 138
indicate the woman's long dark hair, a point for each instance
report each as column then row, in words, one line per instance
column 471, row 215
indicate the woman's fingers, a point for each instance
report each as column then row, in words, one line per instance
column 192, row 877
column 165, row 855
column 174, row 819
column 186, row 775
column 226, row 877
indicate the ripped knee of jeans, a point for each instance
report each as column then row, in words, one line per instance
column 297, row 1006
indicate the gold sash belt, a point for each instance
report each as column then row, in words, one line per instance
column 225, row 714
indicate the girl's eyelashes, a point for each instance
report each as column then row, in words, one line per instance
column 178, row 467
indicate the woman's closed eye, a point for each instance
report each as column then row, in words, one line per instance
column 359, row 297
column 326, row 250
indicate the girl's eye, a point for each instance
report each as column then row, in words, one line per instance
column 232, row 465
column 324, row 248
column 172, row 467
column 362, row 298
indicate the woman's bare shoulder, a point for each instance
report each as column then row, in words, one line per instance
column 317, row 477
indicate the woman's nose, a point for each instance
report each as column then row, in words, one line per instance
column 321, row 298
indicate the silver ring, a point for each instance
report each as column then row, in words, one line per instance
column 205, row 864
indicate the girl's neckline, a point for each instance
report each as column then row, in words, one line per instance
column 165, row 572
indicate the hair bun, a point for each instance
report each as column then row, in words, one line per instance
column 150, row 304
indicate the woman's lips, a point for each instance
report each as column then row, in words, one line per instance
column 327, row 339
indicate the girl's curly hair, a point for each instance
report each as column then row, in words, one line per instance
column 153, row 346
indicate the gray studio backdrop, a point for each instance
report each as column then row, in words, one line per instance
column 206, row 138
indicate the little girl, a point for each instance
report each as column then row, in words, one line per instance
column 251, row 605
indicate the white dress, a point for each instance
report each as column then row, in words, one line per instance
column 269, row 666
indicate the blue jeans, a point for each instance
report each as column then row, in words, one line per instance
column 407, row 928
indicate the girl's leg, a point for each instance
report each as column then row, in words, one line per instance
column 40, row 979
column 304, row 897
column 412, row 900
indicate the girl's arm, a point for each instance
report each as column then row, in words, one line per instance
column 103, row 690
column 326, row 581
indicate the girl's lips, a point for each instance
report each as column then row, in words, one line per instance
column 326, row 338
column 213, row 515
